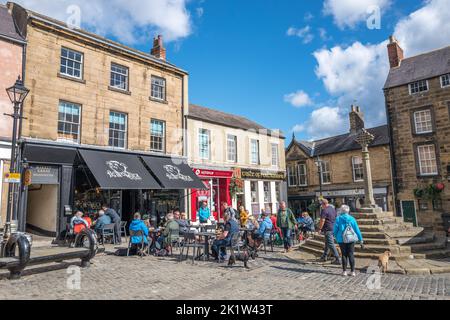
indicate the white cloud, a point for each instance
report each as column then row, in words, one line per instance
column 298, row 99
column 425, row 29
column 323, row 122
column 128, row 21
column 308, row 16
column 348, row 13
column 324, row 34
column 303, row 33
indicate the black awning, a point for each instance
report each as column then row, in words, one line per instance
column 118, row 171
column 173, row 173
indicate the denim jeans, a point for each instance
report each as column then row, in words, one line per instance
column 219, row 245
column 286, row 232
column 329, row 245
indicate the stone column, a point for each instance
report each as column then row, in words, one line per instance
column 364, row 139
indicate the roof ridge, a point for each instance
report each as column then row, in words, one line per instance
column 427, row 52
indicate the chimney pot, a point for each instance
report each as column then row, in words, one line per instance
column 158, row 49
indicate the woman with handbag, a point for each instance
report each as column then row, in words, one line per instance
column 347, row 233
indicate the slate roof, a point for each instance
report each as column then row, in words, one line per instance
column 7, row 26
column 226, row 119
column 424, row 66
column 342, row 143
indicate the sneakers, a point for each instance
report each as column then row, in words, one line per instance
column 345, row 273
column 322, row 259
column 337, row 262
column 353, row 274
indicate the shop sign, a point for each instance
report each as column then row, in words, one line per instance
column 262, row 175
column 44, row 175
column 11, row 177
column 213, row 173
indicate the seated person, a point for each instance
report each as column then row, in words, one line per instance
column 102, row 220
column 252, row 223
column 243, row 216
column 77, row 223
column 170, row 232
column 183, row 223
column 256, row 238
column 223, row 240
column 136, row 225
column 146, row 220
column 306, row 223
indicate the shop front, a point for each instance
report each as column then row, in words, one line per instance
column 65, row 179
column 217, row 191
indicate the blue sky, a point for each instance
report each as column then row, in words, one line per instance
column 293, row 65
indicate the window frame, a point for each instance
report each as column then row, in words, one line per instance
column 415, row 122
column 258, row 162
column 442, row 80
column 322, row 172
column 235, row 160
column 293, row 174
column 125, row 131
column 276, row 155
column 80, row 107
column 305, row 174
column 200, row 133
column 163, row 143
column 354, row 171
column 127, row 77
column 65, row 74
column 419, row 160
column 418, row 82
column 164, row 98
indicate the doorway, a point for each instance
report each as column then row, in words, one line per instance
column 42, row 210
column 409, row 212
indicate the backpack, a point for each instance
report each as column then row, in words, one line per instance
column 349, row 235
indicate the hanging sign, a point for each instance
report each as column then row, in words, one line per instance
column 11, row 177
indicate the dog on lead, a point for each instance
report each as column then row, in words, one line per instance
column 383, row 261
column 243, row 256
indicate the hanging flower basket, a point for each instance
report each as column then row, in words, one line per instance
column 235, row 187
column 432, row 191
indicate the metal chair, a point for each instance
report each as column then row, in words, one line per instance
column 108, row 230
column 69, row 236
column 123, row 229
column 138, row 233
column 190, row 242
column 235, row 244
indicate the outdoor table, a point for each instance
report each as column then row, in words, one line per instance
column 206, row 236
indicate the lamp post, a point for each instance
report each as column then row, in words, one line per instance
column 319, row 167
column 17, row 94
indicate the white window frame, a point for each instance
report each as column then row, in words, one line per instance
column 416, row 113
column 324, row 164
column 233, row 138
column 204, row 132
column 442, row 80
column 125, row 143
column 126, row 75
column 61, row 139
column 305, row 174
column 418, row 82
column 419, row 159
column 252, row 152
column 293, row 174
column 164, row 88
column 269, row 192
column 354, row 169
column 163, row 137
column 275, row 155
column 71, row 60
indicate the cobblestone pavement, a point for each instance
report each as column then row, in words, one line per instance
column 271, row 277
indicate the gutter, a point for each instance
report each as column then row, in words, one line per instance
column 16, row 41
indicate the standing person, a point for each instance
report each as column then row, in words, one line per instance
column 115, row 218
column 286, row 222
column 203, row 213
column 227, row 209
column 326, row 225
column 273, row 218
column 347, row 233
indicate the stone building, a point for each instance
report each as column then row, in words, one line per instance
column 104, row 123
column 340, row 175
column 12, row 46
column 417, row 93
column 228, row 150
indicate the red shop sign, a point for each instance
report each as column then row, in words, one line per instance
column 213, row 173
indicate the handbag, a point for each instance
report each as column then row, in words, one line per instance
column 349, row 235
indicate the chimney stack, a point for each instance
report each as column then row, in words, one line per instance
column 356, row 120
column 395, row 52
column 158, row 49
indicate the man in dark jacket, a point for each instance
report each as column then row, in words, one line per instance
column 326, row 225
column 115, row 218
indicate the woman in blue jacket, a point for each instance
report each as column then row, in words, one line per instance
column 347, row 248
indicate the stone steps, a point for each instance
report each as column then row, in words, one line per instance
column 369, row 248
column 367, row 240
column 361, row 215
column 438, row 244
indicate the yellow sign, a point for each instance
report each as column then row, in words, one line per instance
column 11, row 177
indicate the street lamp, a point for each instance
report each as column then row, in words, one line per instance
column 318, row 163
column 17, row 94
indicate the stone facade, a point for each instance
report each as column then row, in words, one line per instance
column 401, row 106
column 93, row 93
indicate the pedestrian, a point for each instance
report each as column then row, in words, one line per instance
column 229, row 210
column 203, row 213
column 115, row 218
column 347, row 233
column 326, row 225
column 286, row 222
